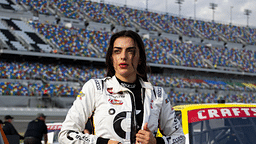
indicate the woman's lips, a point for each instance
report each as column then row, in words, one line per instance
column 123, row 65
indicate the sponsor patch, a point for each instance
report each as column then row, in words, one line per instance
column 151, row 104
column 111, row 111
column 128, row 85
column 178, row 140
column 110, row 90
column 176, row 123
column 71, row 135
column 115, row 95
column 115, row 101
column 97, row 85
column 80, row 95
column 167, row 100
column 159, row 92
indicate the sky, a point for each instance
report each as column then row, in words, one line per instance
column 226, row 11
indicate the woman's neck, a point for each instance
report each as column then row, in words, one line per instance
column 130, row 79
column 134, row 85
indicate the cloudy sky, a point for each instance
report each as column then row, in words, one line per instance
column 222, row 12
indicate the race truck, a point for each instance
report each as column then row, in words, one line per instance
column 53, row 131
column 221, row 123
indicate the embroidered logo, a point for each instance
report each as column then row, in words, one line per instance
column 159, row 92
column 151, row 104
column 115, row 102
column 167, row 100
column 80, row 95
column 128, row 85
column 111, row 111
column 98, row 85
column 72, row 135
column 110, row 90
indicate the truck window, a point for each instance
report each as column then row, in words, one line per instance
column 223, row 131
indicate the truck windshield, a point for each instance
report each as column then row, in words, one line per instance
column 223, row 131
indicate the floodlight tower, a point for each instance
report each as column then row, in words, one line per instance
column 213, row 6
column 125, row 4
column 231, row 7
column 180, row 3
column 146, row 5
column 166, row 6
column 195, row 9
column 247, row 12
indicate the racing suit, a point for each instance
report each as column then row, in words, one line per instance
column 113, row 108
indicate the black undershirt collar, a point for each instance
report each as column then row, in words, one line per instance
column 136, row 90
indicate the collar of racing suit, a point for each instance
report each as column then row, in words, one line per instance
column 117, row 87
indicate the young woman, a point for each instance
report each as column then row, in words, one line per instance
column 125, row 107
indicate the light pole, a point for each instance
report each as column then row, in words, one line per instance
column 195, row 9
column 166, row 6
column 213, row 6
column 247, row 12
column 146, row 5
column 180, row 3
column 125, row 3
column 231, row 7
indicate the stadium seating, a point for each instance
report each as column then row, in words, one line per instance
column 39, row 6
column 93, row 10
column 32, row 78
column 124, row 16
column 13, row 88
column 64, row 73
column 158, row 50
column 47, row 72
column 74, row 41
column 37, row 89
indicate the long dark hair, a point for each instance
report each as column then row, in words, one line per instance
column 142, row 68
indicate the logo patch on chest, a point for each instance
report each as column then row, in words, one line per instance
column 115, row 101
column 120, row 94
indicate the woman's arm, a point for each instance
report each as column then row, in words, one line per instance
column 169, row 124
column 77, row 116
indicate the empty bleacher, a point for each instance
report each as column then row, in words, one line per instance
column 171, row 42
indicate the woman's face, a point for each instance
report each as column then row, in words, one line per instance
column 125, row 58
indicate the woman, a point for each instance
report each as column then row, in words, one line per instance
column 125, row 107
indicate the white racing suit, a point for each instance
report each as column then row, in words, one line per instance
column 114, row 114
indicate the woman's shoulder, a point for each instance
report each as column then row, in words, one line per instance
column 159, row 91
column 95, row 82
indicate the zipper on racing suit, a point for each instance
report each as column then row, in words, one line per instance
column 133, row 121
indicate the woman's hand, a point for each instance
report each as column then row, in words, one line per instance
column 145, row 136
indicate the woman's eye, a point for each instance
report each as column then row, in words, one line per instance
column 131, row 51
column 116, row 51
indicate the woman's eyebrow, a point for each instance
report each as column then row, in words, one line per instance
column 118, row 47
column 131, row 48
column 126, row 48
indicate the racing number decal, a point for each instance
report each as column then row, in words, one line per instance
column 118, row 126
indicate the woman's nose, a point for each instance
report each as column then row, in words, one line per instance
column 123, row 55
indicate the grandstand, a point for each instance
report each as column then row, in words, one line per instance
column 58, row 45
